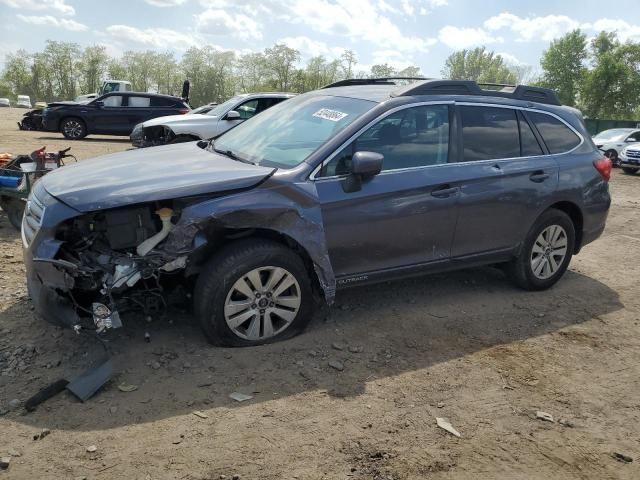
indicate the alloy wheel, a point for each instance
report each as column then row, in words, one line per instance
column 73, row 129
column 549, row 251
column 262, row 303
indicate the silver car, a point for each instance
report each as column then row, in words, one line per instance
column 221, row 118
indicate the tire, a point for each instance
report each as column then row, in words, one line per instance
column 521, row 269
column 14, row 208
column 73, row 128
column 630, row 171
column 613, row 155
column 216, row 294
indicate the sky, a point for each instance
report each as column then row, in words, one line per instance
column 398, row 32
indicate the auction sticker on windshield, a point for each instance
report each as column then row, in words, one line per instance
column 332, row 115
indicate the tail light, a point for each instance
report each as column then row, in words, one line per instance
column 182, row 111
column 604, row 166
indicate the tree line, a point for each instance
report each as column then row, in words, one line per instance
column 600, row 76
column 64, row 70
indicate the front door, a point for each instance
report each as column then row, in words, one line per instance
column 405, row 215
column 108, row 118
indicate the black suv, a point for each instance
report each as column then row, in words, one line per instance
column 111, row 114
column 359, row 182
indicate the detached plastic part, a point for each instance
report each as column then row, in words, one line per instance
column 90, row 381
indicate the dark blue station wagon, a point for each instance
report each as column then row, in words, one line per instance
column 362, row 181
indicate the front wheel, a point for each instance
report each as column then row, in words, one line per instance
column 253, row 292
column 630, row 171
column 546, row 252
column 73, row 128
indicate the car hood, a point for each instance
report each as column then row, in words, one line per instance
column 65, row 103
column 149, row 174
column 176, row 119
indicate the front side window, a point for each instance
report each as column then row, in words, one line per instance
column 286, row 134
column 489, row 133
column 411, row 137
column 113, row 101
column 247, row 109
column 139, row 101
column 558, row 137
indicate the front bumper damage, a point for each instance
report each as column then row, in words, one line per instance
column 85, row 287
column 142, row 137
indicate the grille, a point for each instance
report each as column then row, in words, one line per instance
column 32, row 220
column 633, row 154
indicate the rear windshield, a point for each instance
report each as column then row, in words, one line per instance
column 285, row 135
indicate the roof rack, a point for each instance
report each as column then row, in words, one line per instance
column 469, row 87
column 350, row 82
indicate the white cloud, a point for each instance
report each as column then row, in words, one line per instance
column 533, row 28
column 511, row 59
column 51, row 21
column 358, row 19
column 311, row 48
column 625, row 30
column 459, row 38
column 220, row 22
column 59, row 6
column 160, row 38
column 165, row 3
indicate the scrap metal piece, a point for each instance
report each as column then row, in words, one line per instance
column 89, row 382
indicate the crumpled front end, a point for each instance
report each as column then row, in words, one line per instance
column 151, row 136
column 84, row 270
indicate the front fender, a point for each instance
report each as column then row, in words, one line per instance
column 290, row 210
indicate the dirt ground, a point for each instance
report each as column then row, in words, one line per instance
column 466, row 346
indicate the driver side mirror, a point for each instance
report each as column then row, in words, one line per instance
column 363, row 165
column 99, row 104
column 232, row 115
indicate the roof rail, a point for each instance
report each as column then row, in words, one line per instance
column 371, row 81
column 469, row 87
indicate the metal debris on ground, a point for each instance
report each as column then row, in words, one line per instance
column 446, row 425
column 123, row 387
column 544, row 416
column 240, row 397
column 621, row 457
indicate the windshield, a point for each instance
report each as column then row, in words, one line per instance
column 223, row 107
column 613, row 135
column 285, row 135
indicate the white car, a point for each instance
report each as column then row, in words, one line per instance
column 611, row 142
column 4, row 102
column 190, row 127
column 23, row 101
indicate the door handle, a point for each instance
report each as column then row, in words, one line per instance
column 444, row 192
column 538, row 177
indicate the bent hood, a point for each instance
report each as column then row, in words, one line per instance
column 149, row 174
column 181, row 119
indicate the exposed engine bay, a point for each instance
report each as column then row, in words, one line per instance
column 112, row 263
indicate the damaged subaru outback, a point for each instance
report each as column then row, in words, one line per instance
column 359, row 182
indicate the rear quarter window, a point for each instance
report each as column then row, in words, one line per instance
column 162, row 102
column 558, row 137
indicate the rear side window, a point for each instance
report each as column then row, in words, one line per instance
column 162, row 102
column 558, row 137
column 528, row 141
column 489, row 133
column 139, row 101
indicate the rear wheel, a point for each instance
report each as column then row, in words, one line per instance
column 546, row 252
column 630, row 171
column 253, row 292
column 73, row 128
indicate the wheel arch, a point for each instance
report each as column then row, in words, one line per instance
column 575, row 214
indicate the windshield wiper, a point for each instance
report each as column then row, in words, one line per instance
column 230, row 154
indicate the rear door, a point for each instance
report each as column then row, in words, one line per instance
column 406, row 215
column 138, row 110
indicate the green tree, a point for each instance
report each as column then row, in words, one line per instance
column 478, row 65
column 17, row 72
column 280, row 63
column 563, row 66
column 93, row 66
column 382, row 71
column 348, row 62
column 62, row 59
column 611, row 88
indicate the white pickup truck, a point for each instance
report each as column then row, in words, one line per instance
column 108, row 86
